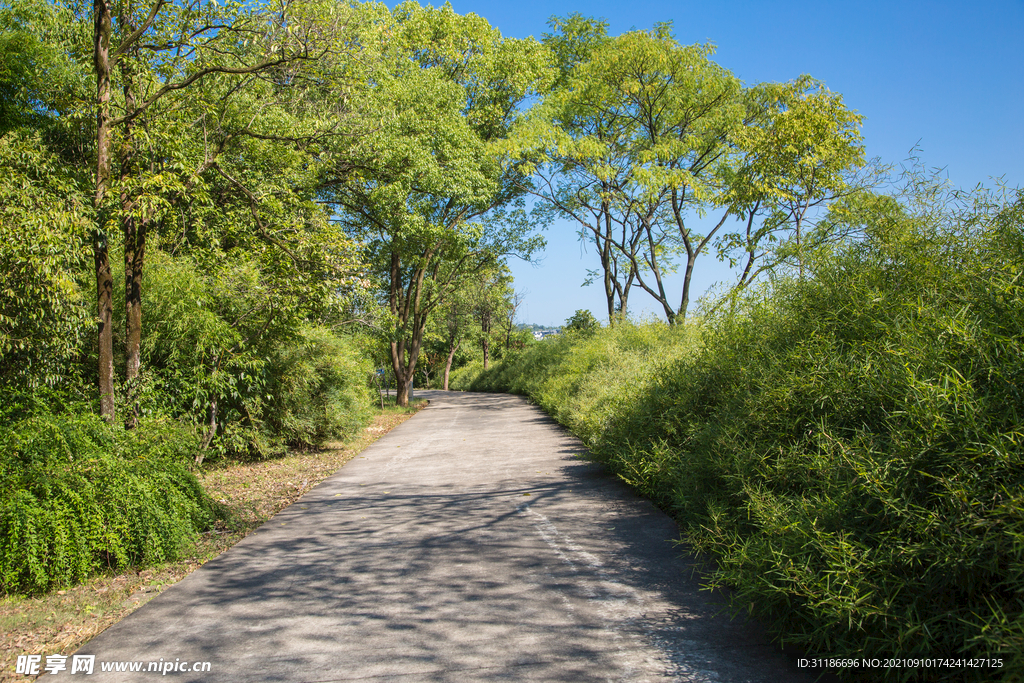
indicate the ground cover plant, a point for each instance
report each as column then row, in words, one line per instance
column 80, row 495
column 846, row 446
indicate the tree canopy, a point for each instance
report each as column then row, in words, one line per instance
column 654, row 150
column 269, row 166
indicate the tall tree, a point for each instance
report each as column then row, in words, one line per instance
column 648, row 135
column 455, row 320
column 801, row 150
column 147, row 59
column 44, row 213
column 492, row 298
column 426, row 193
column 564, row 180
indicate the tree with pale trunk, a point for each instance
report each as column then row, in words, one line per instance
column 656, row 152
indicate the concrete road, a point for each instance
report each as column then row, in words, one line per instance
column 470, row 544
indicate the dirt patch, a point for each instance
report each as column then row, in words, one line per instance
column 59, row 622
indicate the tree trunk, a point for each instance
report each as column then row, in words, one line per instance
column 606, row 261
column 401, row 378
column 448, row 364
column 799, row 251
column 101, row 258
column 624, row 301
column 609, row 295
column 134, row 230
column 210, row 432
column 485, row 330
column 105, row 330
column 684, row 302
column 402, row 393
column 134, row 256
column 405, row 369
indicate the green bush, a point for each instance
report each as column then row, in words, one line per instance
column 850, row 448
column 80, row 495
column 269, row 385
column 846, row 447
column 318, row 388
column 582, row 322
column 461, row 379
column 525, row 372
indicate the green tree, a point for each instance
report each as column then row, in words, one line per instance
column 492, row 295
column 43, row 250
column 564, row 179
column 582, row 322
column 799, row 153
column 644, row 135
column 514, row 302
column 44, row 215
column 41, row 76
column 426, row 192
column 454, row 323
column 150, row 62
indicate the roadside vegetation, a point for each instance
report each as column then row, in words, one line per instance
column 846, row 447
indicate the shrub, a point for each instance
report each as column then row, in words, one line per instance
column 582, row 322
column 80, row 495
column 849, row 448
column 318, row 387
column 267, row 384
column 462, row 379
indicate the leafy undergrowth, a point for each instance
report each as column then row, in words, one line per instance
column 80, row 496
column 61, row 621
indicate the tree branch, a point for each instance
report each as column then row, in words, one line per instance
column 137, row 33
column 253, row 205
column 181, row 85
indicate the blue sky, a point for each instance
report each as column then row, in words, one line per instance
column 946, row 76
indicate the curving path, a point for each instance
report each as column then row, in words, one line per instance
column 469, row 544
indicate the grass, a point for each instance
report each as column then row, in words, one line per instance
column 251, row 493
